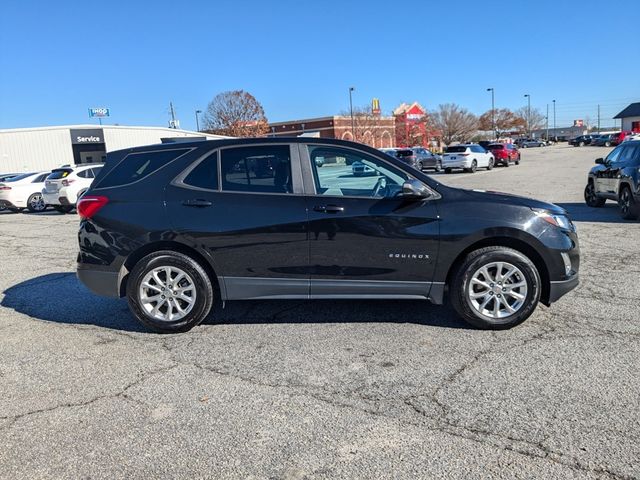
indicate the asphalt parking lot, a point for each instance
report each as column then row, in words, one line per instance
column 338, row 389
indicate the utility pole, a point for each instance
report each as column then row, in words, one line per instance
column 555, row 132
column 173, row 116
column 197, row 120
column 528, row 114
column 353, row 128
column 493, row 112
column 598, row 118
column 547, row 119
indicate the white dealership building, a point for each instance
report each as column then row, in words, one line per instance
column 44, row 148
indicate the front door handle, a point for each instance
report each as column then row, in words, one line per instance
column 197, row 203
column 328, row 208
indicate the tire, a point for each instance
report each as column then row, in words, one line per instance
column 35, row 203
column 607, row 144
column 628, row 205
column 63, row 208
column 590, row 197
column 463, row 289
column 581, row 144
column 194, row 276
column 447, row 170
column 438, row 166
column 525, row 146
column 518, row 160
column 490, row 166
column 15, row 210
column 420, row 166
column 474, row 167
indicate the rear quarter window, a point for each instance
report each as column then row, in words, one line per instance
column 139, row 165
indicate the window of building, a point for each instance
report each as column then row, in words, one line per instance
column 256, row 169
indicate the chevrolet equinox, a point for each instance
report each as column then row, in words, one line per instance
column 176, row 227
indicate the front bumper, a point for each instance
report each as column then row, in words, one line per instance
column 558, row 289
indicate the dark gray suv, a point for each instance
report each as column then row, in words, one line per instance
column 617, row 178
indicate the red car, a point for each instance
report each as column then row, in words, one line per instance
column 618, row 138
column 504, row 153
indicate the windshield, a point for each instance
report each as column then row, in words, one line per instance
column 404, row 153
column 495, row 146
column 456, row 149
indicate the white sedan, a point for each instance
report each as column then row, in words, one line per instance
column 23, row 191
column 468, row 157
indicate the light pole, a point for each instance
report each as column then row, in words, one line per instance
column 198, row 120
column 493, row 111
column 353, row 129
column 547, row 119
column 528, row 114
column 555, row 133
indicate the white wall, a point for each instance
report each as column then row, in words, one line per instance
column 32, row 150
column 626, row 122
column 117, row 138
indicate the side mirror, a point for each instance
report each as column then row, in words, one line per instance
column 600, row 161
column 415, row 189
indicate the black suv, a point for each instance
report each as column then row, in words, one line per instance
column 176, row 227
column 582, row 140
column 616, row 177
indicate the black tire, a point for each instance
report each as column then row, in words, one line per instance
column 490, row 166
column 461, row 283
column 581, row 144
column 438, row 167
column 447, row 170
column 15, row 210
column 420, row 166
column 627, row 204
column 63, row 208
column 474, row 167
column 590, row 197
column 518, row 160
column 607, row 144
column 204, row 291
column 35, row 203
column 525, row 146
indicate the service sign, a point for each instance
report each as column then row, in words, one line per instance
column 98, row 112
column 81, row 136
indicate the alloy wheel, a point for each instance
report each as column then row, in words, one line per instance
column 497, row 290
column 625, row 202
column 167, row 293
column 36, row 202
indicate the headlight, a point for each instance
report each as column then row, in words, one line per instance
column 561, row 221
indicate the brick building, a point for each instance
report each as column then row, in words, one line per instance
column 413, row 127
column 374, row 130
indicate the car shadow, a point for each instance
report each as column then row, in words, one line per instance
column 61, row 298
column 580, row 212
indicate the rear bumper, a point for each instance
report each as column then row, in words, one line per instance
column 100, row 282
column 557, row 289
column 456, row 164
column 51, row 198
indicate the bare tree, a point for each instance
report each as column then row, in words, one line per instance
column 456, row 124
column 505, row 120
column 537, row 120
column 236, row 114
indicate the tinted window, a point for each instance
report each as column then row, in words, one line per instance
column 355, row 174
column 495, row 146
column 96, row 171
column 205, row 174
column 18, row 177
column 404, row 153
column 59, row 173
column 136, row 166
column 40, row 178
column 260, row 169
column 613, row 156
column 85, row 173
column 456, row 149
column 628, row 153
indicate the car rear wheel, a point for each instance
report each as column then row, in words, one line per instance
column 518, row 160
column 169, row 292
column 35, row 203
column 495, row 288
column 590, row 197
column 447, row 170
column 490, row 166
column 420, row 166
column 628, row 206
column 438, row 166
column 474, row 167
column 607, row 144
column 581, row 144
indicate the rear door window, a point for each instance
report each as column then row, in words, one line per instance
column 256, row 169
column 137, row 166
column 205, row 174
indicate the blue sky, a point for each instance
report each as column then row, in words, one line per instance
column 299, row 57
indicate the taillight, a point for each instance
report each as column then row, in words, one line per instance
column 89, row 205
column 66, row 183
column 464, row 154
column 2, row 187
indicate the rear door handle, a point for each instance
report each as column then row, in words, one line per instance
column 328, row 208
column 197, row 203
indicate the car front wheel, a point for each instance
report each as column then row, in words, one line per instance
column 438, row 166
column 495, row 288
column 590, row 197
column 490, row 166
column 169, row 292
column 35, row 203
